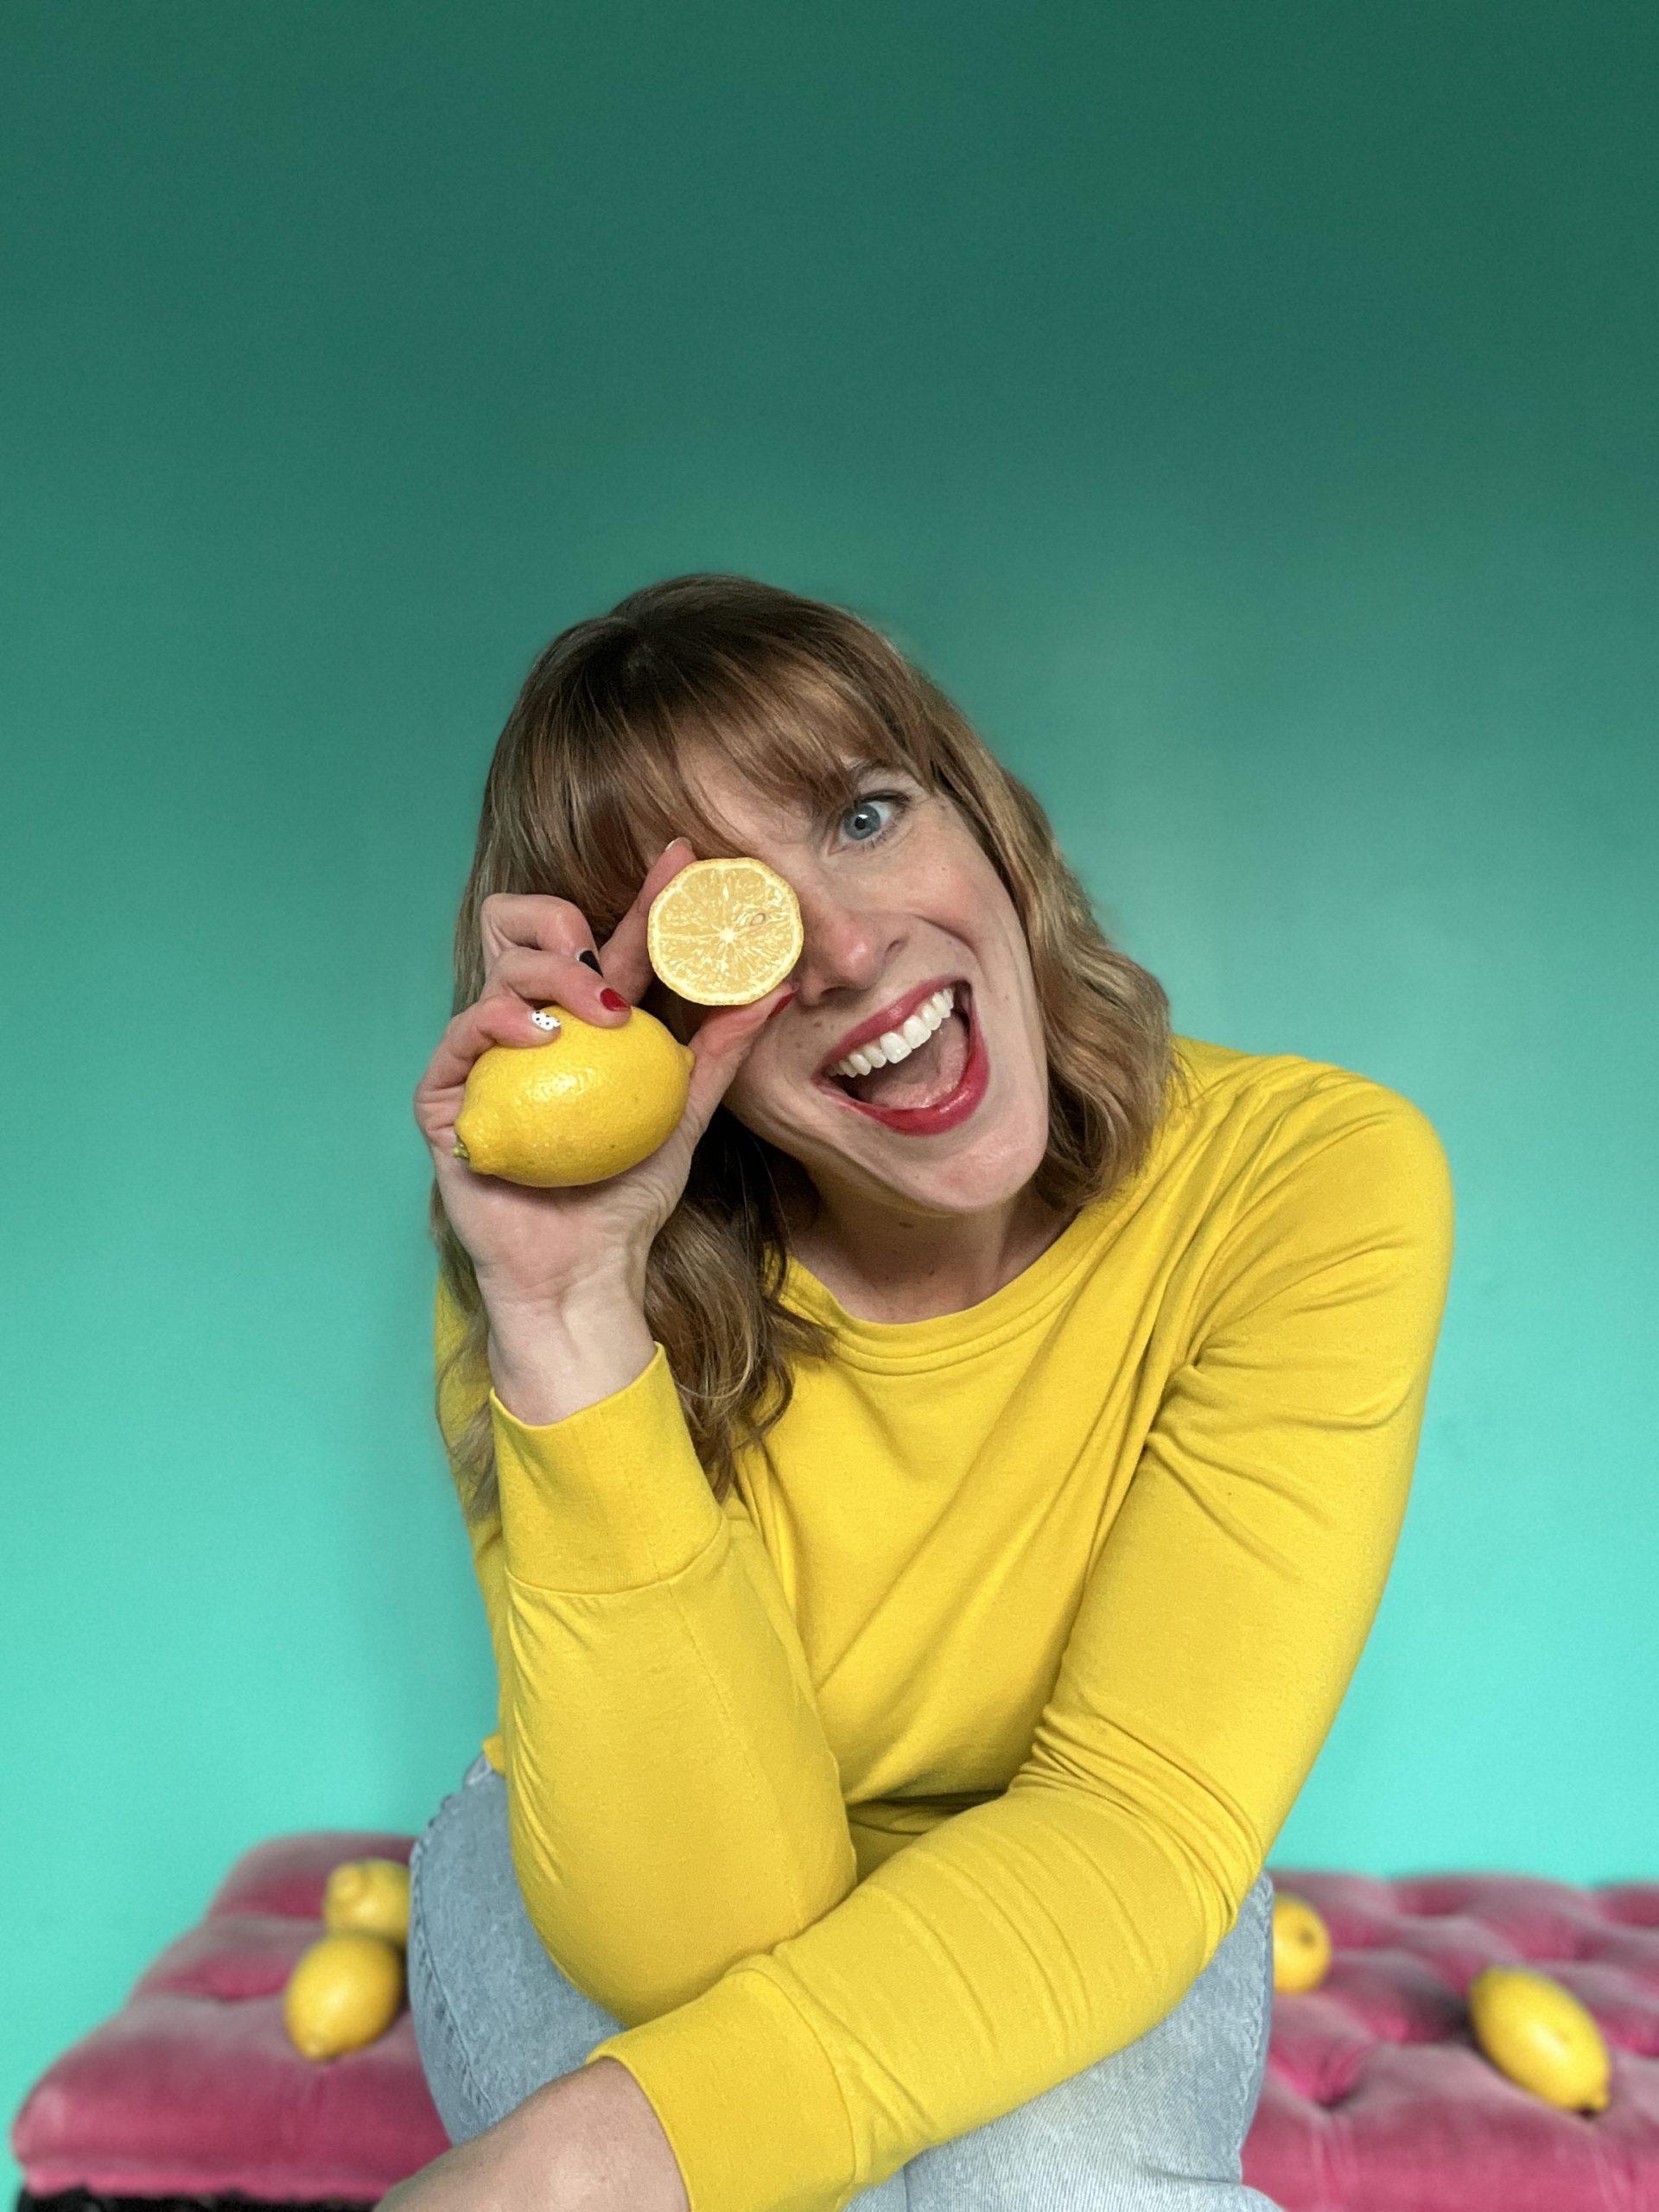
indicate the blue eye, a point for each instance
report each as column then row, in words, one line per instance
column 875, row 829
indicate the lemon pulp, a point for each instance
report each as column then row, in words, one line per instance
column 724, row 932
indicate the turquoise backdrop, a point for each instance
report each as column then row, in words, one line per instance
column 1249, row 414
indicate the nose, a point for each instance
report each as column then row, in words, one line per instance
column 847, row 948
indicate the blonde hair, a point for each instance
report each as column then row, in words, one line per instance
column 587, row 785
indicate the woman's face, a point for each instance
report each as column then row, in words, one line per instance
column 899, row 904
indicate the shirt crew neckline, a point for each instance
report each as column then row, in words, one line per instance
column 911, row 1347
column 907, row 1346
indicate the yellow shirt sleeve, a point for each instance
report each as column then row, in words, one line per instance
column 673, row 1803
column 1027, row 1937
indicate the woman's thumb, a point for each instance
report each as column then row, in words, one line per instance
column 721, row 1046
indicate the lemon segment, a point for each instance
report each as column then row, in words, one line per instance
column 344, row 1992
column 1538, row 2034
column 1301, row 1944
column 369, row 1897
column 724, row 932
column 589, row 1104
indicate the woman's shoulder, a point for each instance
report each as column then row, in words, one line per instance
column 1267, row 1105
column 1305, row 1134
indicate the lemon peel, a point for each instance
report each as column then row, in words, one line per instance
column 344, row 1991
column 591, row 1102
column 368, row 1896
column 1301, row 1943
column 1539, row 2034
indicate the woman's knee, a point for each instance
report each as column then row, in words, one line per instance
column 1157, row 2127
column 494, row 2017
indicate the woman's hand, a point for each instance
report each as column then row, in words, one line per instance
column 532, row 1247
column 588, row 2142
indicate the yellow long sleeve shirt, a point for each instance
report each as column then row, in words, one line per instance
column 934, row 1766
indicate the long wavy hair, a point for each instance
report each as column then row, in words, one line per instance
column 587, row 785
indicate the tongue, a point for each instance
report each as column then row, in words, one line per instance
column 932, row 1072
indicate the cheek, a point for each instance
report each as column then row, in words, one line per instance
column 751, row 1097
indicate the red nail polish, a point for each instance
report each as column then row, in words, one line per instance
column 614, row 999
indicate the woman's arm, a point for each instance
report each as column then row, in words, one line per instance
column 588, row 2142
column 673, row 1802
column 1027, row 1938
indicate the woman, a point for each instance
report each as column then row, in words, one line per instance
column 928, row 1513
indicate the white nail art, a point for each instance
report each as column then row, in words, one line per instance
column 543, row 1020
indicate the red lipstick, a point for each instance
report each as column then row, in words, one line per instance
column 946, row 1113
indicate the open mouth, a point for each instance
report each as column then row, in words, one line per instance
column 925, row 1076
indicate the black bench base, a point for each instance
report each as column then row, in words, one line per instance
column 87, row 2200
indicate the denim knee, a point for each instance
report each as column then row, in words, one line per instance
column 494, row 2017
column 1158, row 2127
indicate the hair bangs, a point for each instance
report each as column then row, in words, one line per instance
column 642, row 723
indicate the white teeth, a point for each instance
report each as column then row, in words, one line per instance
column 895, row 1045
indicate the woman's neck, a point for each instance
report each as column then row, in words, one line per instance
column 912, row 1267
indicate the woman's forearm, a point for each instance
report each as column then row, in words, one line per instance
column 557, row 1360
column 674, row 1803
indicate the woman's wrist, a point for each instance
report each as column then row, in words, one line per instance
column 550, row 1359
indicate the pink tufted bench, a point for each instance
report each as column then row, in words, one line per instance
column 194, row 2091
column 1377, row 2099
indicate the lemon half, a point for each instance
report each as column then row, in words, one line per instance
column 724, row 932
column 587, row 1104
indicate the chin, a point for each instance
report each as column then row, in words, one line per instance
column 994, row 1168
column 978, row 1181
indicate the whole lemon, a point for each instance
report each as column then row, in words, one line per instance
column 586, row 1105
column 1301, row 1943
column 370, row 1896
column 343, row 1993
column 1540, row 2035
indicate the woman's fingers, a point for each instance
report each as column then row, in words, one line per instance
column 542, row 948
column 498, row 1018
column 536, row 978
column 623, row 956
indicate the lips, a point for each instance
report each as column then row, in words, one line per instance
column 936, row 1009
column 891, row 1017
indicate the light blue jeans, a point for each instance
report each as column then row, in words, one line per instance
column 1157, row 2127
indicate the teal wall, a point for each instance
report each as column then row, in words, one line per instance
column 1248, row 413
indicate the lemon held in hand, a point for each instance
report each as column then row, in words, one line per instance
column 724, row 932
column 1301, row 1944
column 344, row 1992
column 368, row 1896
column 586, row 1105
column 1538, row 2033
